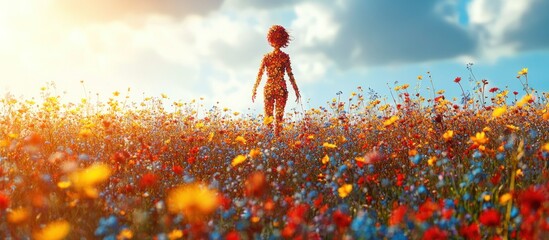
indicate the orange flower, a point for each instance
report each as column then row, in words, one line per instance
column 505, row 198
column 195, row 201
column 18, row 215
column 545, row 147
column 254, row 153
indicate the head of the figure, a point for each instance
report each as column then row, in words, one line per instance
column 278, row 37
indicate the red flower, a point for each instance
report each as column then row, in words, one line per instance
column 470, row 232
column 400, row 179
column 341, row 219
column 147, row 180
column 233, row 235
column 531, row 199
column 494, row 89
column 397, row 215
column 435, row 233
column 177, row 169
column 34, row 139
column 490, row 218
column 224, row 202
column 457, row 80
column 120, row 156
column 426, row 210
column 256, row 184
column 4, row 201
column 373, row 157
column 495, row 178
column 515, row 92
column 297, row 214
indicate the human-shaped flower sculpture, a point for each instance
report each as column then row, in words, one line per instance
column 277, row 63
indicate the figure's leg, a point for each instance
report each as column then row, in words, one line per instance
column 269, row 105
column 280, row 105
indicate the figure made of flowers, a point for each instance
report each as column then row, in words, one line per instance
column 277, row 63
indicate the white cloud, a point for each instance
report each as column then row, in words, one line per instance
column 493, row 21
column 314, row 24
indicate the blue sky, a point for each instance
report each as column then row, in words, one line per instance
column 211, row 49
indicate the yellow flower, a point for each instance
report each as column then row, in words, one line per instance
column 116, row 93
column 382, row 108
column 175, row 234
column 325, row 159
column 419, row 77
column 268, row 120
column 86, row 180
column 499, row 111
column 54, row 230
column 405, row 86
column 448, row 135
column 240, row 140
column 505, row 198
column 329, row 145
column 440, row 92
column 432, row 160
column 390, row 121
column 18, row 215
column 238, row 160
column 480, row 138
column 545, row 147
column 195, row 201
column 125, row 234
column 512, row 127
column 64, row 184
column 524, row 100
column 519, row 173
column 85, row 132
column 91, row 176
column 524, row 71
column 345, row 190
column 4, row 143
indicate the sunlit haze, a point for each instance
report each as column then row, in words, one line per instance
column 212, row 48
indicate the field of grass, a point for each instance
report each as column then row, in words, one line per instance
column 424, row 167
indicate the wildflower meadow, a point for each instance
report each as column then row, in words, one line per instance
column 409, row 165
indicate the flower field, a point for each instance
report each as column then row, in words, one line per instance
column 362, row 168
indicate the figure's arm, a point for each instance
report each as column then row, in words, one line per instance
column 258, row 79
column 292, row 80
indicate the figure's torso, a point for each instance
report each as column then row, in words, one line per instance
column 276, row 62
